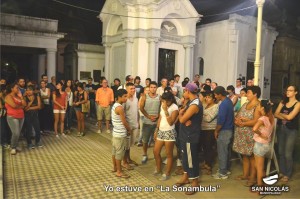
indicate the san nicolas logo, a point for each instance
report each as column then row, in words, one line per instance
column 270, row 190
column 270, row 180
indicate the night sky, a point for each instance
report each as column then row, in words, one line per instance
column 84, row 26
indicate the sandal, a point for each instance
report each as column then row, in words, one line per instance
column 127, row 167
column 284, row 179
column 250, row 183
column 207, row 172
column 123, row 176
column 179, row 171
column 133, row 162
column 189, row 193
column 180, row 184
column 241, row 177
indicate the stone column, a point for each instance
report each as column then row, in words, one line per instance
column 152, row 72
column 41, row 65
column 260, row 5
column 188, row 60
column 107, row 67
column 51, row 62
column 128, row 63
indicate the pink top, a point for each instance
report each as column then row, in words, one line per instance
column 266, row 130
column 15, row 112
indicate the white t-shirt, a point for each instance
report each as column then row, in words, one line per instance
column 237, row 90
column 160, row 91
column 164, row 125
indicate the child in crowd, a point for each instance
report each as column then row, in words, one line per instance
column 121, row 130
column 262, row 137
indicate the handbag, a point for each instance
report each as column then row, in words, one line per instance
column 85, row 108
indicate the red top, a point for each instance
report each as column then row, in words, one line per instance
column 61, row 100
column 15, row 112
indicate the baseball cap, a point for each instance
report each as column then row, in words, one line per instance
column 193, row 88
column 220, row 90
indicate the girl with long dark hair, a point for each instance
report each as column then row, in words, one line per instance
column 165, row 134
column 287, row 113
column 59, row 108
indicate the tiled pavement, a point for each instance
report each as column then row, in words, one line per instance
column 73, row 167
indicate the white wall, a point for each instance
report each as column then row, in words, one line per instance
column 226, row 46
column 89, row 61
column 212, row 46
column 118, row 62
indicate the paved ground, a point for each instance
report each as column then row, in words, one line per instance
column 72, row 167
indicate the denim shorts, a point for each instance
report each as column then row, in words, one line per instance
column 261, row 149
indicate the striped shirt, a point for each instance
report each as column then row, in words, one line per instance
column 119, row 129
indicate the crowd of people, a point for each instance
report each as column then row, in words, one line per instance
column 192, row 116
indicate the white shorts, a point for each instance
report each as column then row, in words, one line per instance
column 59, row 111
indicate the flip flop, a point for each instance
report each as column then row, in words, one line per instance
column 241, row 177
column 250, row 183
column 133, row 162
column 123, row 176
column 180, row 184
column 128, row 167
column 284, row 179
column 189, row 193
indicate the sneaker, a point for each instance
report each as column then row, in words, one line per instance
column 19, row 149
column 39, row 145
column 178, row 163
column 57, row 136
column 139, row 144
column 164, row 177
column 227, row 173
column 219, row 176
column 165, row 161
column 30, row 146
column 64, row 135
column 156, row 173
column 82, row 134
column 13, row 152
column 99, row 131
column 144, row 159
column 107, row 131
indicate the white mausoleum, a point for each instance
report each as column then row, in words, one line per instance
column 31, row 32
column 226, row 51
column 153, row 41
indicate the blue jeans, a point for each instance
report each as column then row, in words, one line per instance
column 224, row 150
column 93, row 108
column 32, row 120
column 68, row 117
column 286, row 143
column 15, row 126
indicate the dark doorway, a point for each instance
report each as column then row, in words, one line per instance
column 166, row 63
column 250, row 70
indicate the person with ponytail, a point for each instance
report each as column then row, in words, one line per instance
column 262, row 137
